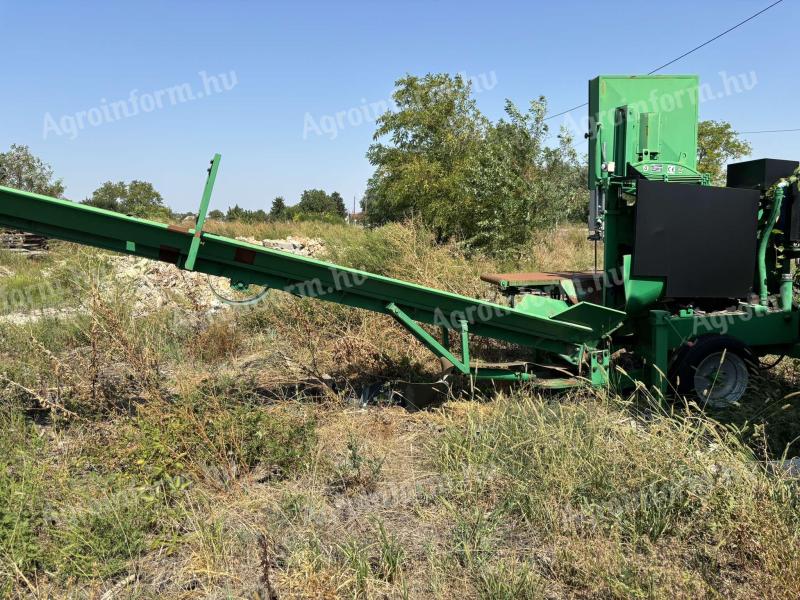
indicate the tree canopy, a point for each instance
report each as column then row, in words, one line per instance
column 718, row 144
column 278, row 210
column 319, row 202
column 22, row 170
column 137, row 198
column 237, row 213
column 487, row 184
column 313, row 204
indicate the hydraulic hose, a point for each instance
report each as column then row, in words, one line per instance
column 777, row 200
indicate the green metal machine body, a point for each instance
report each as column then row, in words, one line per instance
column 704, row 274
column 696, row 281
column 640, row 127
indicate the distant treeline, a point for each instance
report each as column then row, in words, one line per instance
column 140, row 198
column 313, row 204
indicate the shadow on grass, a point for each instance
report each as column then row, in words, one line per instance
column 768, row 417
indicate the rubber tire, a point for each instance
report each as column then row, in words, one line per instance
column 691, row 354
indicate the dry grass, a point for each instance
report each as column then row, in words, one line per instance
column 176, row 455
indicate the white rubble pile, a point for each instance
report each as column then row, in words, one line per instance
column 24, row 318
column 296, row 245
column 157, row 284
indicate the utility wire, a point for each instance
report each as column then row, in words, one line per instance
column 769, row 131
column 684, row 55
column 563, row 112
column 750, row 18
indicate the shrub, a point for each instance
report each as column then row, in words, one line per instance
column 218, row 439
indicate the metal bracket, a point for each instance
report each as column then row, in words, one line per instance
column 430, row 342
column 201, row 213
column 599, row 364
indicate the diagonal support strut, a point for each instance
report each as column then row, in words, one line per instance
column 428, row 340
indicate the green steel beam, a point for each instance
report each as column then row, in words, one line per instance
column 245, row 263
column 201, row 213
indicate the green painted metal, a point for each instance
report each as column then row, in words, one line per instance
column 544, row 306
column 645, row 125
column 659, row 351
column 427, row 339
column 640, row 293
column 763, row 243
column 599, row 366
column 640, row 127
column 787, row 291
column 250, row 264
column 643, row 120
column 465, row 343
column 765, row 332
column 564, row 335
column 600, row 319
column 201, row 213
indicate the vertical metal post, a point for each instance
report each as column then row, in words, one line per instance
column 465, row 343
column 659, row 351
column 446, row 337
column 201, row 213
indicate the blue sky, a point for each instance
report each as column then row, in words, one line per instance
column 290, row 67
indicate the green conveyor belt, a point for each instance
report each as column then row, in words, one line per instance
column 246, row 263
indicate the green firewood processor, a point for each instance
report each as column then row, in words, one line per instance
column 696, row 282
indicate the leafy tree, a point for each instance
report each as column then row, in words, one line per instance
column 521, row 184
column 487, row 184
column 22, row 170
column 237, row 213
column 432, row 147
column 109, row 196
column 259, row 216
column 278, row 210
column 314, row 201
column 338, row 206
column 142, row 199
column 137, row 198
column 216, row 215
column 318, row 202
column 718, row 144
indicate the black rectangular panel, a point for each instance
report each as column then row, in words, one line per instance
column 759, row 174
column 701, row 239
column 792, row 215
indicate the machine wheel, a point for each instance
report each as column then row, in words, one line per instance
column 715, row 368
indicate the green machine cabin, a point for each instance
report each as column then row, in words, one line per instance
column 696, row 283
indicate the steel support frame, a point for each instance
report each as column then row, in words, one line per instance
column 597, row 359
column 762, row 332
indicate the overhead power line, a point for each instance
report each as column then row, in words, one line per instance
column 769, row 131
column 684, row 55
column 716, row 37
column 563, row 112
